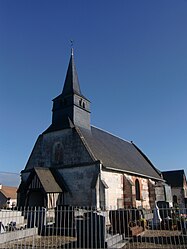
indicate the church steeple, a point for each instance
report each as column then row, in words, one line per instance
column 71, row 84
column 70, row 108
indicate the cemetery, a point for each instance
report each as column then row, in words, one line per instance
column 72, row 227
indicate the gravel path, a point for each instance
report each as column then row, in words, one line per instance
column 156, row 239
column 153, row 246
column 43, row 242
column 160, row 233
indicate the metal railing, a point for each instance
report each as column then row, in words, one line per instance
column 80, row 227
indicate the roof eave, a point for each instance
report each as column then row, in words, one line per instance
column 147, row 159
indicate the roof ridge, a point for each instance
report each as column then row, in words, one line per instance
column 7, row 187
column 173, row 170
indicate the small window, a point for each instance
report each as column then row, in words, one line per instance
column 83, row 105
column 80, row 102
column 137, row 187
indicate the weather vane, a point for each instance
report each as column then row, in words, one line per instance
column 71, row 41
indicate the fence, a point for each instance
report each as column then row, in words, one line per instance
column 73, row 227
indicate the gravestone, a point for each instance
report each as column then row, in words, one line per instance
column 91, row 231
column 2, row 228
column 65, row 220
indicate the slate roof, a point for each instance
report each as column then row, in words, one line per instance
column 118, row 154
column 47, row 180
column 175, row 178
column 71, row 84
column 9, row 192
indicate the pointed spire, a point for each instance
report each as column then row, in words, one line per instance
column 71, row 84
column 71, row 47
column 70, row 108
column 72, row 51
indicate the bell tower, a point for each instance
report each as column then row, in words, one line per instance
column 71, row 108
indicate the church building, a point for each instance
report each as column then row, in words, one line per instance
column 75, row 163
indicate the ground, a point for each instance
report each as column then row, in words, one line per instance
column 53, row 242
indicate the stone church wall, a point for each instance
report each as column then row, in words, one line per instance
column 144, row 191
column 129, row 192
column 81, row 183
column 121, row 190
column 114, row 192
column 179, row 192
column 62, row 150
column 57, row 149
column 152, row 193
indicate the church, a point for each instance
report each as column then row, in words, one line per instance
column 74, row 163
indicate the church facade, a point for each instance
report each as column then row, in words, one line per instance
column 75, row 163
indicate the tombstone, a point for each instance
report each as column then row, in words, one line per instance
column 65, row 220
column 122, row 219
column 119, row 220
column 2, row 228
column 164, row 209
column 91, row 230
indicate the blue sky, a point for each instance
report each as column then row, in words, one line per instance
column 131, row 58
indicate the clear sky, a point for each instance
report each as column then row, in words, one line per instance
column 131, row 58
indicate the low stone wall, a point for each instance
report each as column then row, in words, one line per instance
column 6, row 216
column 19, row 234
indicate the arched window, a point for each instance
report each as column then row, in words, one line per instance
column 137, row 187
column 57, row 154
